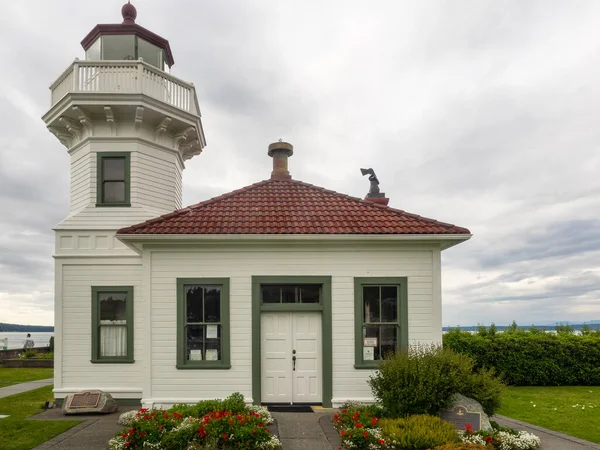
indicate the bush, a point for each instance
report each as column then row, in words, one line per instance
column 234, row 403
column 419, row 432
column 51, row 344
column 526, row 358
column 29, row 353
column 422, row 380
column 463, row 446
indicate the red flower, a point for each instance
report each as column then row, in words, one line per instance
column 225, row 436
column 124, row 435
column 373, row 421
column 358, row 425
column 488, row 439
column 365, row 434
column 468, row 426
column 142, row 435
column 381, row 441
column 343, row 433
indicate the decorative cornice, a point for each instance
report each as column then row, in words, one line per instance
column 139, row 116
column 161, row 128
column 72, row 127
column 60, row 135
column 110, row 118
column 84, row 119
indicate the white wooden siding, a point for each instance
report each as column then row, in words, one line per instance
column 342, row 263
column 81, row 180
column 77, row 370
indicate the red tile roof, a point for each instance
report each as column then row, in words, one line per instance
column 289, row 207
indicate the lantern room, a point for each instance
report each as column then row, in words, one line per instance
column 127, row 41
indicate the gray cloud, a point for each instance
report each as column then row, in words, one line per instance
column 479, row 113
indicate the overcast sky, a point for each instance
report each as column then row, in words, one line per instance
column 484, row 114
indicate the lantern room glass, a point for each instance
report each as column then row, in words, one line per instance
column 124, row 48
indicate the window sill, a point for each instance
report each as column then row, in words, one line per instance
column 112, row 361
column 113, row 205
column 203, row 366
column 365, row 366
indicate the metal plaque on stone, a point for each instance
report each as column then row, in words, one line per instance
column 85, row 400
column 460, row 417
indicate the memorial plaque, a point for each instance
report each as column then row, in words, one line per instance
column 460, row 417
column 85, row 400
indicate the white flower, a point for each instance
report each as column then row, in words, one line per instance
column 128, row 418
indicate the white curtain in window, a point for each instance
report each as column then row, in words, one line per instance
column 113, row 338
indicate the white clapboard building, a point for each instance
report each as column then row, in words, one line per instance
column 283, row 291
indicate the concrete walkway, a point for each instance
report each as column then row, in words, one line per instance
column 24, row 387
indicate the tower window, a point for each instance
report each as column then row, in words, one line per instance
column 113, row 179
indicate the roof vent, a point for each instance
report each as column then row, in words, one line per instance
column 280, row 152
column 374, row 194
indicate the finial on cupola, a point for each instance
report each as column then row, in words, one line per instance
column 129, row 13
column 374, row 194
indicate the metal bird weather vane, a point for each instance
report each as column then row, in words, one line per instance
column 373, row 179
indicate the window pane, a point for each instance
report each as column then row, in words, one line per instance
column 372, row 331
column 371, row 301
column 213, row 344
column 113, row 169
column 93, row 51
column 195, row 342
column 150, row 53
column 270, row 294
column 389, row 304
column 113, row 340
column 288, row 294
column 112, row 306
column 310, row 294
column 212, row 304
column 193, row 302
column 114, row 191
column 115, row 47
column 389, row 339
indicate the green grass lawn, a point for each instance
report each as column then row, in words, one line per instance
column 13, row 376
column 20, row 434
column 573, row 410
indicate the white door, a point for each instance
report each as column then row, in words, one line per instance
column 291, row 357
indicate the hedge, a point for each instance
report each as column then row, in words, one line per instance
column 533, row 358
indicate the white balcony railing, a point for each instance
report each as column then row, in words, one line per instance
column 130, row 77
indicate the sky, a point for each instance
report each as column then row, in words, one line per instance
column 479, row 113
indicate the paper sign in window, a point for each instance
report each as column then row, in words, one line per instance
column 212, row 331
column 195, row 355
column 212, row 355
column 370, row 342
column 368, row 353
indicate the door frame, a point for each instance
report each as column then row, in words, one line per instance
column 326, row 328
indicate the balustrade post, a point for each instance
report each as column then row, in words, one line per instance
column 140, row 77
column 76, row 76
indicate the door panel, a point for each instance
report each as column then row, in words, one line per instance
column 281, row 380
column 276, row 348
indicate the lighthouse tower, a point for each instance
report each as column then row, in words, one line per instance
column 129, row 126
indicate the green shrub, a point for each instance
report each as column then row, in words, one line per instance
column 418, row 432
column 422, row 380
column 526, row 358
column 234, row 403
column 51, row 344
column 49, row 355
column 463, row 446
column 29, row 353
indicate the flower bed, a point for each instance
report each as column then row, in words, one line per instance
column 361, row 429
column 213, row 424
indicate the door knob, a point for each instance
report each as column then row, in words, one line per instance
column 293, row 363
column 293, row 352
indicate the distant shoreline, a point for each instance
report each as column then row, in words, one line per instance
column 16, row 328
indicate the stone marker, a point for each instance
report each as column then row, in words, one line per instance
column 464, row 410
column 89, row 402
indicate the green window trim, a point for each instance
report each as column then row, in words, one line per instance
column 359, row 283
column 100, row 178
column 96, row 357
column 326, row 323
column 182, row 362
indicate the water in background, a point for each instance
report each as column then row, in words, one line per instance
column 17, row 339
